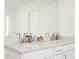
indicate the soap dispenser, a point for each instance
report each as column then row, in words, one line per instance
column 34, row 39
column 30, row 38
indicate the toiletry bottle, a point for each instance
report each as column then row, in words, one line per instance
column 47, row 36
column 33, row 39
column 30, row 38
column 26, row 37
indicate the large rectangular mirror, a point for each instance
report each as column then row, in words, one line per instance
column 30, row 16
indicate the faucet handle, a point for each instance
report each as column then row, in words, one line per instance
column 19, row 35
column 24, row 34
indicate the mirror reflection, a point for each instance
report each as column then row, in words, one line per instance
column 37, row 17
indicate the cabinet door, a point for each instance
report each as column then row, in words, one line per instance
column 58, row 52
column 50, row 57
column 69, row 55
column 69, row 51
column 32, row 55
column 10, row 54
column 58, row 56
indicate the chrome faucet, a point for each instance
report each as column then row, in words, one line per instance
column 22, row 38
column 18, row 35
column 19, row 38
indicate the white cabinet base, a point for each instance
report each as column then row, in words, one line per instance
column 10, row 54
column 61, row 52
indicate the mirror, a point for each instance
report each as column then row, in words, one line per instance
column 30, row 16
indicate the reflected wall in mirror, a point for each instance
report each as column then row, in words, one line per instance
column 31, row 16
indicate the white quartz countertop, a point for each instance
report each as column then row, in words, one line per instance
column 28, row 47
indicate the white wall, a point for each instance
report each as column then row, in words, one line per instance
column 66, row 17
column 48, row 21
column 12, row 17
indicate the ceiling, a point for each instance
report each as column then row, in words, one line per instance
column 13, row 4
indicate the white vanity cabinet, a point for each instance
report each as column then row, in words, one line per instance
column 69, row 51
column 65, row 52
column 58, row 52
column 10, row 54
column 69, row 55
column 41, row 54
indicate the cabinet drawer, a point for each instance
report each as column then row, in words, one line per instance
column 68, row 47
column 45, row 53
column 58, row 50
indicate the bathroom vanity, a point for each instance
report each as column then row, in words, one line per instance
column 41, row 18
column 57, row 49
